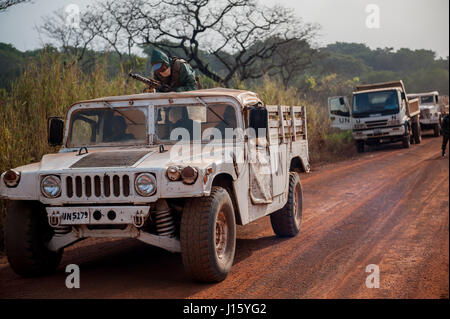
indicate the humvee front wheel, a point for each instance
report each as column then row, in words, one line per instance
column 286, row 222
column 208, row 236
column 26, row 233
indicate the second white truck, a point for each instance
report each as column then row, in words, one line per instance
column 379, row 113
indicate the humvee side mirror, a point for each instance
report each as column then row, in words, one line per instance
column 55, row 131
column 258, row 120
column 341, row 101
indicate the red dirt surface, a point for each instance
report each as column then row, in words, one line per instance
column 388, row 207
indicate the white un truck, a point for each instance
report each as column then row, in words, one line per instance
column 430, row 111
column 379, row 113
column 174, row 170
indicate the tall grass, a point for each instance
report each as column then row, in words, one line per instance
column 47, row 88
column 51, row 85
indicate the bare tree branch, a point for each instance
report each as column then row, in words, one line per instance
column 5, row 4
column 242, row 36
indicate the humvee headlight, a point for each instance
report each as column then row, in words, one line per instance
column 145, row 184
column 11, row 178
column 51, row 186
column 189, row 175
column 173, row 173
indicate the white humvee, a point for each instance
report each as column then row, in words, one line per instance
column 174, row 170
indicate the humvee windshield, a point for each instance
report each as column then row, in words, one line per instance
column 195, row 122
column 104, row 126
column 380, row 102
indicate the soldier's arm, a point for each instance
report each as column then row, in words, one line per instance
column 187, row 79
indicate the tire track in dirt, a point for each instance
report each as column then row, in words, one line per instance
column 388, row 207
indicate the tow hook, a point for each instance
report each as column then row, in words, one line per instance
column 54, row 219
column 139, row 219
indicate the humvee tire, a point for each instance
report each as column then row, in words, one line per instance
column 287, row 221
column 208, row 236
column 416, row 132
column 26, row 234
column 437, row 130
column 360, row 146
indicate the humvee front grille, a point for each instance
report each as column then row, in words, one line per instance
column 97, row 186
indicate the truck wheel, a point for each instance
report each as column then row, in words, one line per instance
column 287, row 221
column 208, row 236
column 406, row 142
column 360, row 146
column 26, row 233
column 437, row 130
column 417, row 134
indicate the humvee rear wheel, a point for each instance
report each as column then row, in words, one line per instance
column 208, row 236
column 26, row 234
column 287, row 221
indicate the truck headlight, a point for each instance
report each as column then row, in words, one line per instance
column 173, row 173
column 145, row 184
column 51, row 186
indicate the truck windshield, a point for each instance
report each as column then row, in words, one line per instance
column 429, row 99
column 104, row 126
column 371, row 103
column 195, row 122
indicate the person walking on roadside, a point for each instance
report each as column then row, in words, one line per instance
column 445, row 133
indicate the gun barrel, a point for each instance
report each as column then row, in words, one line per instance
column 149, row 82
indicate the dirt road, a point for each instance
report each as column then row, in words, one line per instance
column 389, row 207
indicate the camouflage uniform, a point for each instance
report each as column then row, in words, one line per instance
column 182, row 76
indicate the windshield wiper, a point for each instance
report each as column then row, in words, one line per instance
column 115, row 110
column 206, row 105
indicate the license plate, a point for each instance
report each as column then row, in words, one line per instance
column 75, row 217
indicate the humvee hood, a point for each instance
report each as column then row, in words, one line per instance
column 95, row 158
column 123, row 158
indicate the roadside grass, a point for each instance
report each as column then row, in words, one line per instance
column 51, row 85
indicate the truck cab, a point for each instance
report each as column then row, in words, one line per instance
column 430, row 111
column 379, row 113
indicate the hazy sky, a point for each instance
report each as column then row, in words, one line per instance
column 415, row 24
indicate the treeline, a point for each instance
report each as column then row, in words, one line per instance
column 331, row 70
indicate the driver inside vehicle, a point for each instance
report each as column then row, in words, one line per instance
column 179, row 118
column 117, row 131
column 228, row 121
